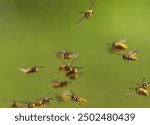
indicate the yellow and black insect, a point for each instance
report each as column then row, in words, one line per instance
column 88, row 13
column 144, row 84
column 14, row 103
column 41, row 103
column 38, row 104
column 65, row 67
column 62, row 97
column 60, row 84
column 30, row 70
column 76, row 98
column 131, row 55
column 73, row 73
column 141, row 91
column 119, row 45
column 67, row 55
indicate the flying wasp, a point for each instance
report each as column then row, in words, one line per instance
column 76, row 98
column 144, row 84
column 67, row 55
column 130, row 56
column 87, row 14
column 73, row 72
column 30, row 70
column 41, row 103
column 14, row 103
column 119, row 45
column 140, row 91
column 60, row 84
column 65, row 67
column 62, row 97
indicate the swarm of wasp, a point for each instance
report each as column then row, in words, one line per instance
column 87, row 14
column 76, row 98
column 60, row 84
column 119, row 45
column 130, row 56
column 70, row 71
column 30, row 70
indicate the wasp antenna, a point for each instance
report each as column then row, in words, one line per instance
column 91, row 5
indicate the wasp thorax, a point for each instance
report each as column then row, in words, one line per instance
column 88, row 14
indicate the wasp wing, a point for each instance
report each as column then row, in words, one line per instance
column 25, row 70
column 91, row 5
column 132, row 52
column 80, row 20
column 123, row 40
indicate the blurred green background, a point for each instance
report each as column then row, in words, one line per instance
column 31, row 29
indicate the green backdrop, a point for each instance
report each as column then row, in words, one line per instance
column 30, row 30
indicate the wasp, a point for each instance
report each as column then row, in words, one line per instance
column 76, row 98
column 62, row 96
column 67, row 55
column 65, row 67
column 14, row 103
column 131, row 55
column 60, row 84
column 119, row 45
column 141, row 91
column 144, row 84
column 30, row 70
column 41, row 103
column 73, row 73
column 87, row 14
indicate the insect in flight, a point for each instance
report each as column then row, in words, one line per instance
column 65, row 67
column 30, row 70
column 119, row 45
column 144, row 84
column 14, row 103
column 76, row 98
column 62, row 97
column 141, row 91
column 130, row 56
column 67, row 55
column 73, row 72
column 41, row 103
column 87, row 14
column 60, row 84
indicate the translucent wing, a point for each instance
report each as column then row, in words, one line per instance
column 80, row 20
column 132, row 52
column 91, row 5
column 122, row 40
column 25, row 70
